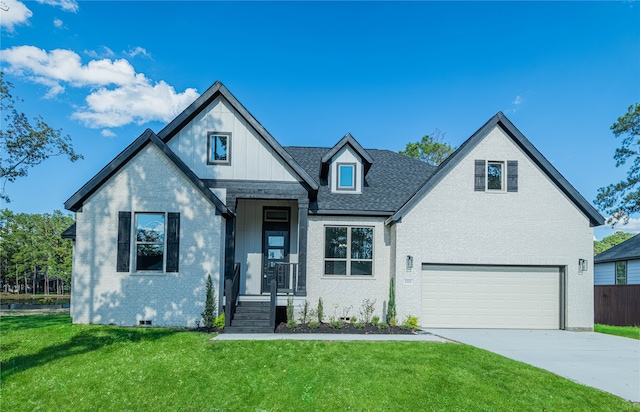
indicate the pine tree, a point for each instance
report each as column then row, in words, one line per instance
column 209, row 314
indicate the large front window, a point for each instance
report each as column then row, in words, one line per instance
column 150, row 230
column 348, row 251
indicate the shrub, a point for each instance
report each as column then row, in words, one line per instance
column 314, row 325
column 335, row 323
column 391, row 307
column 359, row 325
column 292, row 323
column 383, row 325
column 289, row 307
column 304, row 312
column 320, row 311
column 345, row 311
column 375, row 320
column 219, row 322
column 411, row 322
column 353, row 320
column 366, row 309
column 209, row 314
column 393, row 322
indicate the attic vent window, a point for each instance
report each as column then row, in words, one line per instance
column 346, row 176
column 219, row 148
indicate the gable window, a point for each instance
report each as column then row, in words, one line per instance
column 219, row 148
column 346, row 176
column 156, row 238
column 621, row 272
column 348, row 251
column 495, row 175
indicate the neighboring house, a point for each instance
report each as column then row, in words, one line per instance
column 619, row 265
column 492, row 238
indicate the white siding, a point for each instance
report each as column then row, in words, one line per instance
column 249, row 240
column 100, row 294
column 538, row 225
column 348, row 291
column 346, row 155
column 604, row 274
column 251, row 157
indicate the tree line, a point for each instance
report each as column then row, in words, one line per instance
column 34, row 258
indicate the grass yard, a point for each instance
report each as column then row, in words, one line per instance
column 49, row 364
column 626, row 331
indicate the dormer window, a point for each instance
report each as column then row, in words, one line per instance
column 346, row 176
column 219, row 148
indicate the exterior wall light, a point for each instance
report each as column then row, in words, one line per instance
column 582, row 265
column 409, row 263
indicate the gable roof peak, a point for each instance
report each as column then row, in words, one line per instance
column 347, row 140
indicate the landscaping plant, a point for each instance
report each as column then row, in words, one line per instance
column 209, row 314
column 391, row 307
column 320, row 311
column 366, row 310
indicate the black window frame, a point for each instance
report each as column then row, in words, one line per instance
column 348, row 258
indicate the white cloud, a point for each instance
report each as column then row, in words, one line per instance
column 518, row 100
column 57, row 23
column 134, row 103
column 13, row 13
column 107, row 133
column 119, row 95
column 136, row 51
column 105, row 52
column 66, row 5
column 633, row 226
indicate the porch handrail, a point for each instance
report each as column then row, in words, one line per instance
column 231, row 292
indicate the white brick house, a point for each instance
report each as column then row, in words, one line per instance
column 493, row 237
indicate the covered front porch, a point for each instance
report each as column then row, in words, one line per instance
column 265, row 250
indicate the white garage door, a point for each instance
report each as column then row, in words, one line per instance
column 490, row 297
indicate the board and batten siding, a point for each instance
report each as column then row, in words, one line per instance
column 250, row 157
column 605, row 273
column 100, row 294
column 346, row 155
column 537, row 225
column 249, row 238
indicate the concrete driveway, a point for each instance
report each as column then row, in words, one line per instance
column 606, row 362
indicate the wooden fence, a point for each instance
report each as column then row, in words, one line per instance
column 617, row 305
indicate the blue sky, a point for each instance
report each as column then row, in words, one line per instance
column 310, row 72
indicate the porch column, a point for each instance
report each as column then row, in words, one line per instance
column 229, row 247
column 303, row 224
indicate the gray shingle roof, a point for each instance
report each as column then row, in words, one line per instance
column 392, row 179
column 627, row 250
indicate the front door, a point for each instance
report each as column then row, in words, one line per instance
column 275, row 248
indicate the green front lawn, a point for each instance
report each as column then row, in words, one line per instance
column 626, row 331
column 49, row 364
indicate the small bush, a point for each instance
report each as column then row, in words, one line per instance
column 359, row 325
column 411, row 322
column 320, row 311
column 391, row 307
column 375, row 320
column 209, row 314
column 292, row 323
column 383, row 325
column 335, row 323
column 353, row 320
column 289, row 307
column 219, row 322
column 393, row 322
column 305, row 312
column 314, row 325
column 366, row 309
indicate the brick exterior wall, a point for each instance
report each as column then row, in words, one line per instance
column 538, row 225
column 100, row 294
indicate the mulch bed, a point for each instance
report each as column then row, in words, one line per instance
column 347, row 328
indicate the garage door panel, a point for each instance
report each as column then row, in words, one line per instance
column 490, row 297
